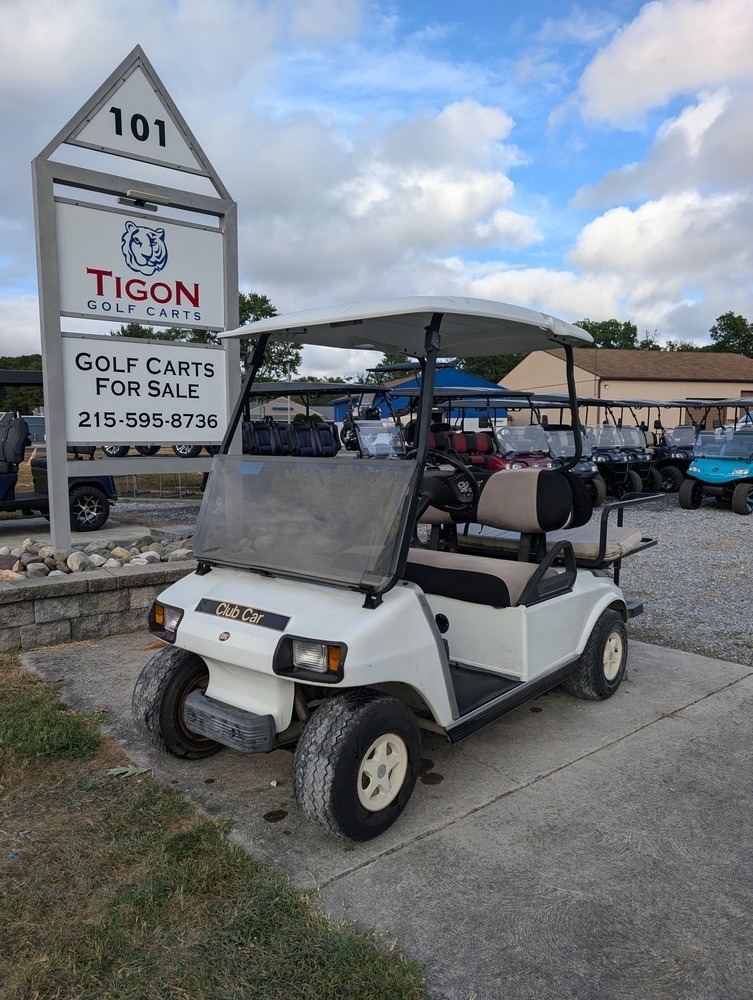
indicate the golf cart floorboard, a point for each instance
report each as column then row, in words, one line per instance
column 475, row 687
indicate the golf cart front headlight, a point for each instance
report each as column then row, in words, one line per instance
column 310, row 659
column 694, row 468
column 740, row 472
column 164, row 620
column 601, row 458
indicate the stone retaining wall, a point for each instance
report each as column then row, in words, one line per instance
column 47, row 611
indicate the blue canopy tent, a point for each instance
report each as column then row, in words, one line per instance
column 446, row 378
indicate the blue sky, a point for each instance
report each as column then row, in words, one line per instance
column 588, row 159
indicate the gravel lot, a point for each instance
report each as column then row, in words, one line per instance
column 695, row 583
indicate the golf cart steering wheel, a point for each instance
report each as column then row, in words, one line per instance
column 456, row 492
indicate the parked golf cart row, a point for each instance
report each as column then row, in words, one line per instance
column 710, row 456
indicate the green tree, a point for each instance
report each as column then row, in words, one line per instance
column 732, row 333
column 21, row 398
column 152, row 332
column 683, row 345
column 611, row 333
column 493, row 368
column 282, row 360
column 649, row 343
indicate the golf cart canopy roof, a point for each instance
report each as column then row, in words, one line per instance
column 311, row 388
column 469, row 327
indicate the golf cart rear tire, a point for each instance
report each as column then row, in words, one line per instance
column 330, row 768
column 158, row 698
column 654, row 481
column 602, row 664
column 89, row 508
column 115, row 450
column 598, row 490
column 742, row 498
column 147, row 449
column 187, row 450
column 691, row 494
column 633, row 482
column 671, row 478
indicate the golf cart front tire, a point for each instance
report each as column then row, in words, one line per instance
column 356, row 763
column 602, row 664
column 158, row 699
column 742, row 498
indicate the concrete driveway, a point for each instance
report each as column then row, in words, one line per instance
column 572, row 850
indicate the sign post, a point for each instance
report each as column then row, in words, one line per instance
column 132, row 250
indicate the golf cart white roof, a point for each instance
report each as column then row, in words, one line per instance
column 469, row 328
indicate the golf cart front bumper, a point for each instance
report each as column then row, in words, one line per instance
column 232, row 727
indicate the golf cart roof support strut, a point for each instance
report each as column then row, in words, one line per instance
column 242, row 402
column 573, row 398
column 428, row 379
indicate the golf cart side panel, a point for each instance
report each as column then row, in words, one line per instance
column 523, row 643
column 396, row 642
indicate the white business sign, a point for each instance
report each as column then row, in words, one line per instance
column 130, row 268
column 135, row 120
column 123, row 391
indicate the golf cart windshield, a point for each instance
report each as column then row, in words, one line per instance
column 711, row 444
column 562, row 443
column 379, row 440
column 633, row 437
column 527, row 440
column 322, row 519
column 606, row 437
column 680, row 437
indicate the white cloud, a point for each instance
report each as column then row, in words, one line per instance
column 672, row 47
column 709, row 144
column 19, row 325
column 681, row 237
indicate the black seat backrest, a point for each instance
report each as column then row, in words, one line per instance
column 246, row 437
column 329, row 443
column 304, row 440
column 264, row 440
column 13, row 447
column 529, row 501
column 283, row 434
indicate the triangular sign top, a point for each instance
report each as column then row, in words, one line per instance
column 132, row 115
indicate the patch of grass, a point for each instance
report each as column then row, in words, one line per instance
column 35, row 724
column 115, row 888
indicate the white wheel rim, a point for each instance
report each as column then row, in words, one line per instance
column 382, row 771
column 612, row 658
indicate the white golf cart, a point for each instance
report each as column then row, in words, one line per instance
column 314, row 617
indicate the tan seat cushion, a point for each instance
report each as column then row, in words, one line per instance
column 473, row 577
column 585, row 541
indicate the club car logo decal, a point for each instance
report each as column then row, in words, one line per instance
column 243, row 613
column 144, row 249
column 223, row 636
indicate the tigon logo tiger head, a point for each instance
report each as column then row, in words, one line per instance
column 144, row 249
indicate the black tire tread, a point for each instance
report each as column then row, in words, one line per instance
column 88, row 491
column 317, row 753
column 149, row 693
column 598, row 490
column 740, row 498
column 672, row 477
column 583, row 683
column 690, row 494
